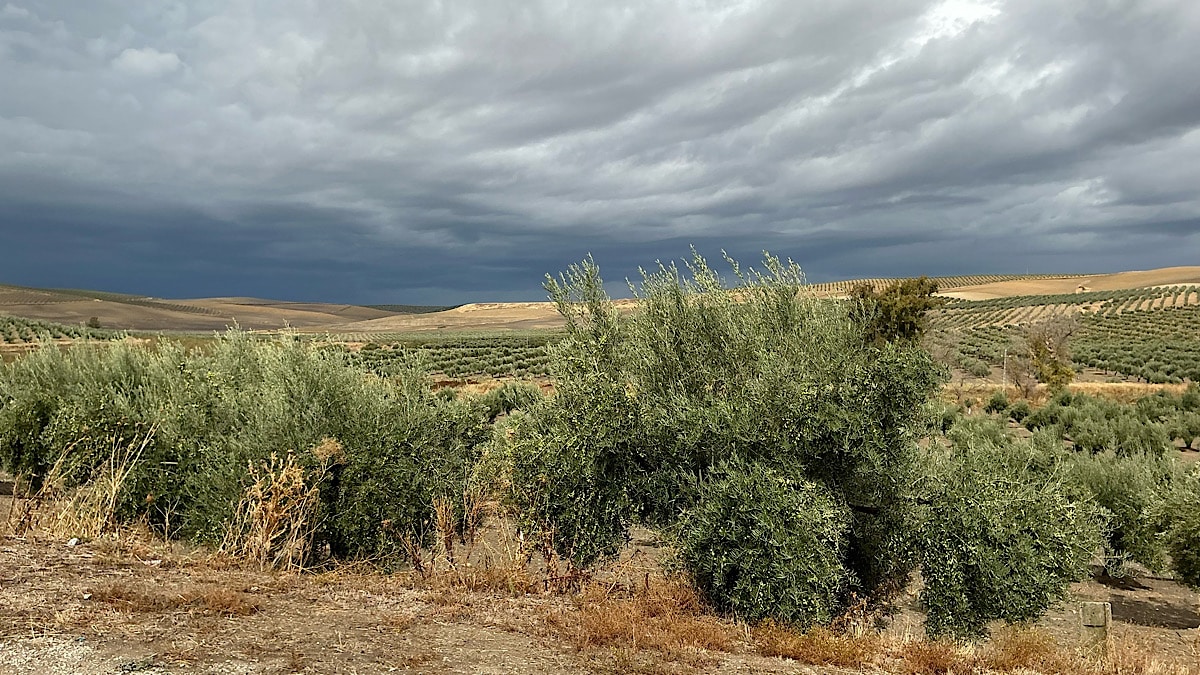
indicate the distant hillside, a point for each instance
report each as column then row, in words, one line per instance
column 130, row 312
column 512, row 316
column 123, row 311
column 944, row 283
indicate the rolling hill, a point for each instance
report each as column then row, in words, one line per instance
column 143, row 313
column 130, row 312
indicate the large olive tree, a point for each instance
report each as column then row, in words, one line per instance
column 771, row 433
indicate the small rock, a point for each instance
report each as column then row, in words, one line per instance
column 73, row 541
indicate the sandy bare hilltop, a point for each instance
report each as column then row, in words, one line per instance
column 475, row 316
column 1166, row 276
column 207, row 314
column 131, row 312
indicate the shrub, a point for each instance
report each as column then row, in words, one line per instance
column 568, row 472
column 1130, row 489
column 1183, row 535
column 508, row 397
column 998, row 403
column 215, row 414
column 979, row 368
column 971, row 429
column 1019, row 410
column 759, row 544
column 650, row 401
column 944, row 416
column 1097, row 425
column 1000, row 542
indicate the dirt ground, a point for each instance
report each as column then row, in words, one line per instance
column 131, row 604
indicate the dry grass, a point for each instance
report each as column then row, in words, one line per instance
column 500, row 577
column 665, row 616
column 90, row 510
column 274, row 521
column 470, row 559
column 143, row 597
column 1125, row 392
column 1132, row 657
column 1015, row 649
column 818, row 647
column 86, row 512
column 446, row 524
column 1120, row 392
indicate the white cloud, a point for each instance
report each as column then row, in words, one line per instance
column 11, row 10
column 146, row 62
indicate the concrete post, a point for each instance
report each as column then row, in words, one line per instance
column 1095, row 620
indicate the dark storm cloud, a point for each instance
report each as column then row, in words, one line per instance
column 443, row 152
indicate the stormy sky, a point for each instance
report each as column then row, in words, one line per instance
column 457, row 150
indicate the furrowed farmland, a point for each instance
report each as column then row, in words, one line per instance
column 520, row 355
column 14, row 330
column 738, row 473
column 1151, row 335
column 944, row 283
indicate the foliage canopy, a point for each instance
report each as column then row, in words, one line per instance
column 899, row 311
column 772, row 434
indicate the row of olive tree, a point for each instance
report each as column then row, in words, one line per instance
column 209, row 419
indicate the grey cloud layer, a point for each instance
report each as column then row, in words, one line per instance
column 447, row 151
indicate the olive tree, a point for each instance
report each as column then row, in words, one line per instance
column 733, row 416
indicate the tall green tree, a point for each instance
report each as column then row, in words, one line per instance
column 898, row 311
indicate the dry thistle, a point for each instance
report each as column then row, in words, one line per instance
column 444, row 520
column 273, row 523
column 412, row 547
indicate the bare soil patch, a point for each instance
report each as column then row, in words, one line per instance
column 121, row 606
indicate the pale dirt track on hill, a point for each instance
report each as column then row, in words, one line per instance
column 476, row 316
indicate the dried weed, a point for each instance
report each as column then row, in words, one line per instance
column 147, row 598
column 935, row 657
column 273, row 524
column 818, row 646
column 87, row 511
column 1018, row 648
column 666, row 615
